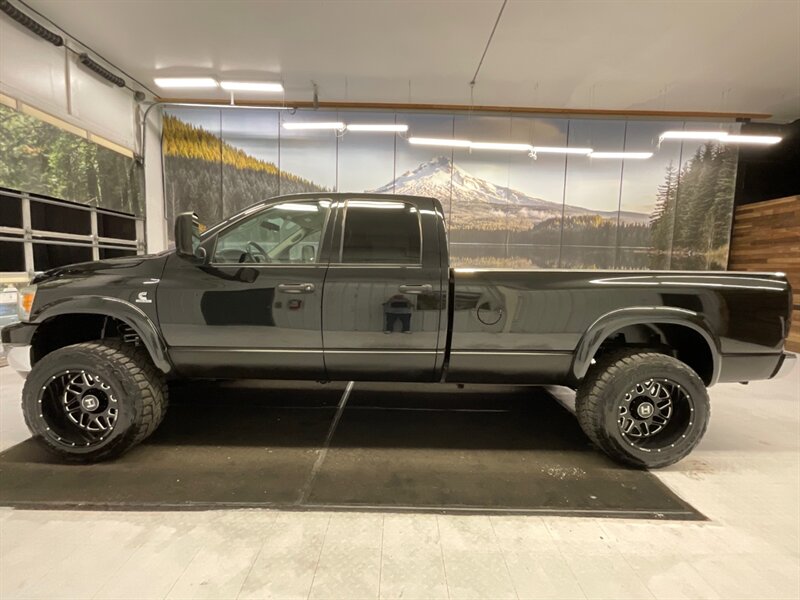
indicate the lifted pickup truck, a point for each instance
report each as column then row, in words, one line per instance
column 358, row 287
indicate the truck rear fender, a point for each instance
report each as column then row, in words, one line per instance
column 660, row 319
column 115, row 308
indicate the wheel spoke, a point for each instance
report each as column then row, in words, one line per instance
column 647, row 410
column 79, row 407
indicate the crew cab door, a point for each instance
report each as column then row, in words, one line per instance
column 253, row 309
column 381, row 311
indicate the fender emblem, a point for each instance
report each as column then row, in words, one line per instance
column 143, row 299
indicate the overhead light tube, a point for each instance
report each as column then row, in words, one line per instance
column 439, row 142
column 311, row 125
column 500, row 146
column 186, row 82
column 252, row 86
column 623, row 155
column 377, row 127
column 751, row 139
column 559, row 150
column 692, row 135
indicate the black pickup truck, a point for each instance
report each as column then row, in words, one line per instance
column 358, row 287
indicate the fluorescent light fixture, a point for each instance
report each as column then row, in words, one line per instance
column 311, row 125
column 251, row 86
column 559, row 150
column 297, row 207
column 440, row 142
column 186, row 82
column 621, row 155
column 499, row 146
column 373, row 204
column 721, row 136
column 376, row 127
column 693, row 135
column 751, row 139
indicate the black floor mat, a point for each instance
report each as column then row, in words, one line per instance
column 262, row 444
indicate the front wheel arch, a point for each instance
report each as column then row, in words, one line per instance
column 101, row 307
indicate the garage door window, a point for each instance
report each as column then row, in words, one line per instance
column 381, row 233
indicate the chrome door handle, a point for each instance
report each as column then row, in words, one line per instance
column 296, row 288
column 416, row 288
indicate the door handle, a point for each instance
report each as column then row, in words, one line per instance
column 296, row 288
column 421, row 288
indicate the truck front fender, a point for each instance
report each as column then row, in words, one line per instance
column 126, row 312
column 615, row 320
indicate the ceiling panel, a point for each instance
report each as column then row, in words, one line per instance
column 660, row 55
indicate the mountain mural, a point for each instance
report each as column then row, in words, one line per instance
column 475, row 199
column 490, row 225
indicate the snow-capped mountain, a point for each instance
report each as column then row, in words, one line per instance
column 473, row 194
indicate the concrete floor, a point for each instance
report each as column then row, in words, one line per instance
column 745, row 476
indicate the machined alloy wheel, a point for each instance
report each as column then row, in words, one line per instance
column 643, row 408
column 94, row 400
column 654, row 413
column 78, row 407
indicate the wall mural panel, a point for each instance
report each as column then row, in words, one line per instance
column 505, row 208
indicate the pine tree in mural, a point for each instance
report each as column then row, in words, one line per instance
column 690, row 225
column 662, row 219
column 206, row 175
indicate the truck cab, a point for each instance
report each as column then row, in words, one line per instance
column 312, row 287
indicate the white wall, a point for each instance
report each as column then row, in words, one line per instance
column 50, row 79
column 155, row 219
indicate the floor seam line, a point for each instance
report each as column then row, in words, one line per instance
column 319, row 558
column 563, row 556
column 252, row 564
column 380, row 564
column 441, row 551
column 186, row 568
column 503, row 555
column 306, row 489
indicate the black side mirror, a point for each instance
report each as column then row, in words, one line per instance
column 187, row 235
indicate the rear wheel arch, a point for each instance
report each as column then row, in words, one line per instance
column 91, row 318
column 678, row 332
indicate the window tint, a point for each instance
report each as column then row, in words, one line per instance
column 287, row 233
column 381, row 232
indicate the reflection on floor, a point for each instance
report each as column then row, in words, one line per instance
column 745, row 477
column 295, row 445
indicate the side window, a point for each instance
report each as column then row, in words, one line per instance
column 381, row 232
column 287, row 233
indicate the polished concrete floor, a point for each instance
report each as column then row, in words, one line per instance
column 745, row 477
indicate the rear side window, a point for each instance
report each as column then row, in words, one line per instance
column 381, row 233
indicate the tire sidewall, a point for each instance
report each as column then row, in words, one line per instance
column 655, row 367
column 82, row 359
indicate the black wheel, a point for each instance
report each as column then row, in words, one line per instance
column 93, row 401
column 643, row 408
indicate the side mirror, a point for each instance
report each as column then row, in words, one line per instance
column 187, row 235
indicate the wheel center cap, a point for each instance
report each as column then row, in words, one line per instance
column 645, row 410
column 90, row 402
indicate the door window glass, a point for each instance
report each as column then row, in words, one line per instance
column 287, row 233
column 381, row 232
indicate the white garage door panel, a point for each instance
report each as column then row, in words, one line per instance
column 104, row 108
column 32, row 67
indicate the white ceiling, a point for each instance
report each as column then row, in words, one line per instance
column 696, row 55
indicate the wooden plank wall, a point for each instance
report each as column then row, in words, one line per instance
column 766, row 237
